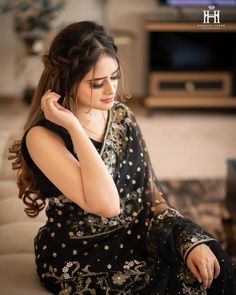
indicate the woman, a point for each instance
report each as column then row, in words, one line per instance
column 110, row 229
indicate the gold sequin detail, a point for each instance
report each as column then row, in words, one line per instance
column 121, row 246
column 74, row 252
column 138, row 237
column 109, row 266
column 106, row 247
column 44, row 247
column 129, row 232
column 63, row 245
column 52, row 235
column 59, row 212
column 85, row 242
column 54, row 254
column 51, row 219
column 58, row 225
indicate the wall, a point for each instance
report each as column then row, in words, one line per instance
column 123, row 18
column 13, row 66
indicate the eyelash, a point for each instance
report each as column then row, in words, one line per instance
column 97, row 86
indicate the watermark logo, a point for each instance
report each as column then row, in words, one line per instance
column 211, row 14
column 211, row 18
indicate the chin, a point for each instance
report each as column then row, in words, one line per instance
column 106, row 106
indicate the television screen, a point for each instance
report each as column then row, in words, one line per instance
column 198, row 2
column 188, row 51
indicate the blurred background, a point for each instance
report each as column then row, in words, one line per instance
column 180, row 67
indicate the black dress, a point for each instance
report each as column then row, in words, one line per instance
column 136, row 252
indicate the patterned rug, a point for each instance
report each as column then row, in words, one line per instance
column 200, row 200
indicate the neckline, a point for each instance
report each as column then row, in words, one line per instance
column 96, row 141
column 108, row 124
column 102, row 143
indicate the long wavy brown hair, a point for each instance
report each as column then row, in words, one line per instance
column 73, row 53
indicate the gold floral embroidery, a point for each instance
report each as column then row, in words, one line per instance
column 133, row 271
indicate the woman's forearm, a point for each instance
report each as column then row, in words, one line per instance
column 99, row 188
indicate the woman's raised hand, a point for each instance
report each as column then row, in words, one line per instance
column 56, row 113
column 203, row 264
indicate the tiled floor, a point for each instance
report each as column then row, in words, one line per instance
column 182, row 145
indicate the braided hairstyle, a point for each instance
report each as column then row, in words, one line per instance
column 73, row 53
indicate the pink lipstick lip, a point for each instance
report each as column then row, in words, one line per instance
column 108, row 99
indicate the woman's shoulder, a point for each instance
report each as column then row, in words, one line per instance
column 62, row 132
column 38, row 133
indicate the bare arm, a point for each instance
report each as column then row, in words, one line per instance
column 98, row 183
column 86, row 182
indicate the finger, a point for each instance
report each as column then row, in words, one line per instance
column 45, row 95
column 216, row 268
column 195, row 271
column 50, row 99
column 204, row 275
column 58, row 106
column 49, row 94
column 210, row 270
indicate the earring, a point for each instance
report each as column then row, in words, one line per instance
column 125, row 96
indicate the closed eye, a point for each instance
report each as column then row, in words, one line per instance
column 96, row 85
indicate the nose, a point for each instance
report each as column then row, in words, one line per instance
column 110, row 87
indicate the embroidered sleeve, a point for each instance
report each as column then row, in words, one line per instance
column 188, row 236
column 170, row 231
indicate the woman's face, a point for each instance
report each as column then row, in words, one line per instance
column 99, row 86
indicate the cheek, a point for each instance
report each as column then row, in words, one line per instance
column 116, row 83
column 84, row 94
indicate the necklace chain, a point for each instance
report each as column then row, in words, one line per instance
column 94, row 131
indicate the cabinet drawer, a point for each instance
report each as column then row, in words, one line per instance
column 190, row 84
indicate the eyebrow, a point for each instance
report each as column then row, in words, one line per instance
column 96, row 79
